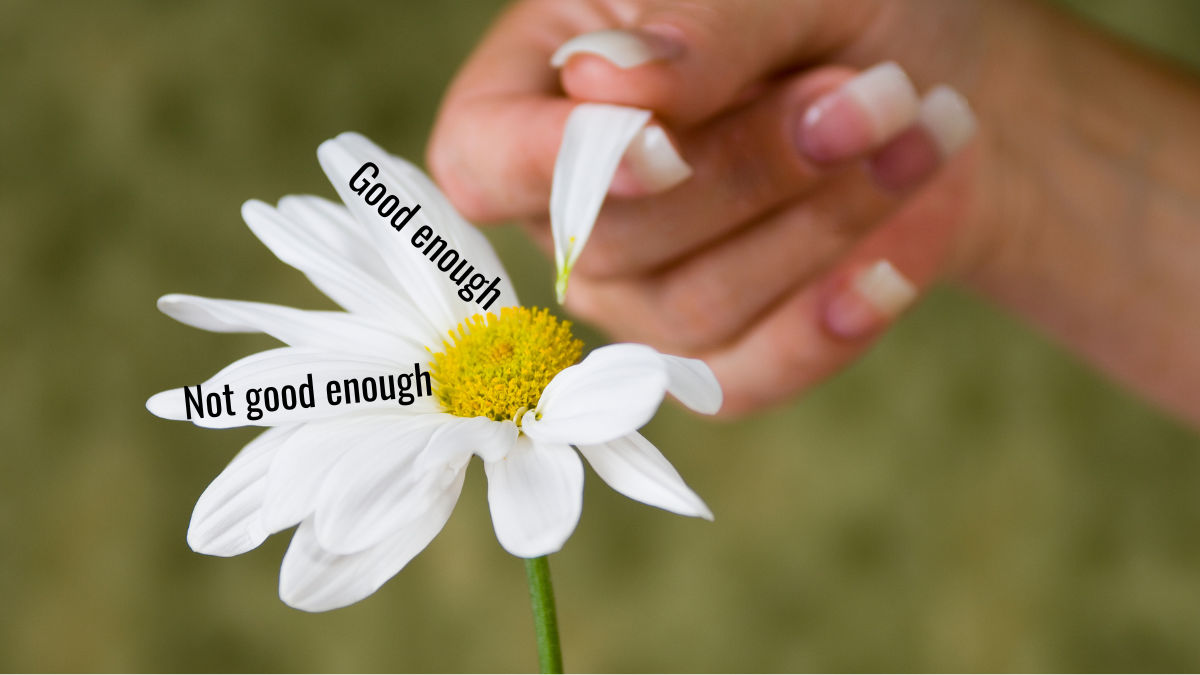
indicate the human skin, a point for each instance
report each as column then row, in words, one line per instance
column 1076, row 206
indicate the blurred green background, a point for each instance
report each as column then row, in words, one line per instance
column 968, row 497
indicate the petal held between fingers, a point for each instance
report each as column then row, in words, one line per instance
column 227, row 520
column 536, row 497
column 315, row 580
column 612, row 392
column 594, row 141
column 635, row 468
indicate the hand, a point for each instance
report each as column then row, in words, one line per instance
column 1075, row 207
column 751, row 262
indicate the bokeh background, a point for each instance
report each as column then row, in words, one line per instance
column 968, row 497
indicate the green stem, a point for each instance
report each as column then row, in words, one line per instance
column 545, row 621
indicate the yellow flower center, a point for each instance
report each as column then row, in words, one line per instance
column 499, row 365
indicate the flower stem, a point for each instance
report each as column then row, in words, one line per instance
column 545, row 621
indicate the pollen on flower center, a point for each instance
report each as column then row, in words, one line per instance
column 498, row 365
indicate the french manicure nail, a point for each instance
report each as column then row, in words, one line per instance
column 622, row 48
column 864, row 112
column 944, row 124
column 654, row 161
column 876, row 295
column 948, row 117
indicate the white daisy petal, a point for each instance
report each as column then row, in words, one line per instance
column 612, row 392
column 335, row 228
column 413, row 183
column 536, row 497
column 374, row 490
column 350, row 157
column 594, row 141
column 301, row 466
column 330, row 331
column 316, row 580
column 338, row 277
column 454, row 442
column 227, row 517
column 635, row 468
column 291, row 367
column 694, row 384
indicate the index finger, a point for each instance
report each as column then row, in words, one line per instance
column 501, row 123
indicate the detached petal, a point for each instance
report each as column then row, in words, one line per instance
column 329, row 331
column 635, row 468
column 286, row 367
column 315, row 580
column 431, row 289
column 536, row 496
column 612, row 392
column 594, row 141
column 227, row 518
column 693, row 383
column 373, row 490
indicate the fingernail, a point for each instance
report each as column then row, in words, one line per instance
column 864, row 112
column 622, row 48
column 948, row 117
column 654, row 161
column 875, row 296
column 944, row 124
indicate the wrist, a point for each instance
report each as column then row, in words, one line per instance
column 1086, row 194
column 1021, row 103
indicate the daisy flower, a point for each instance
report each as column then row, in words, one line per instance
column 375, row 412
